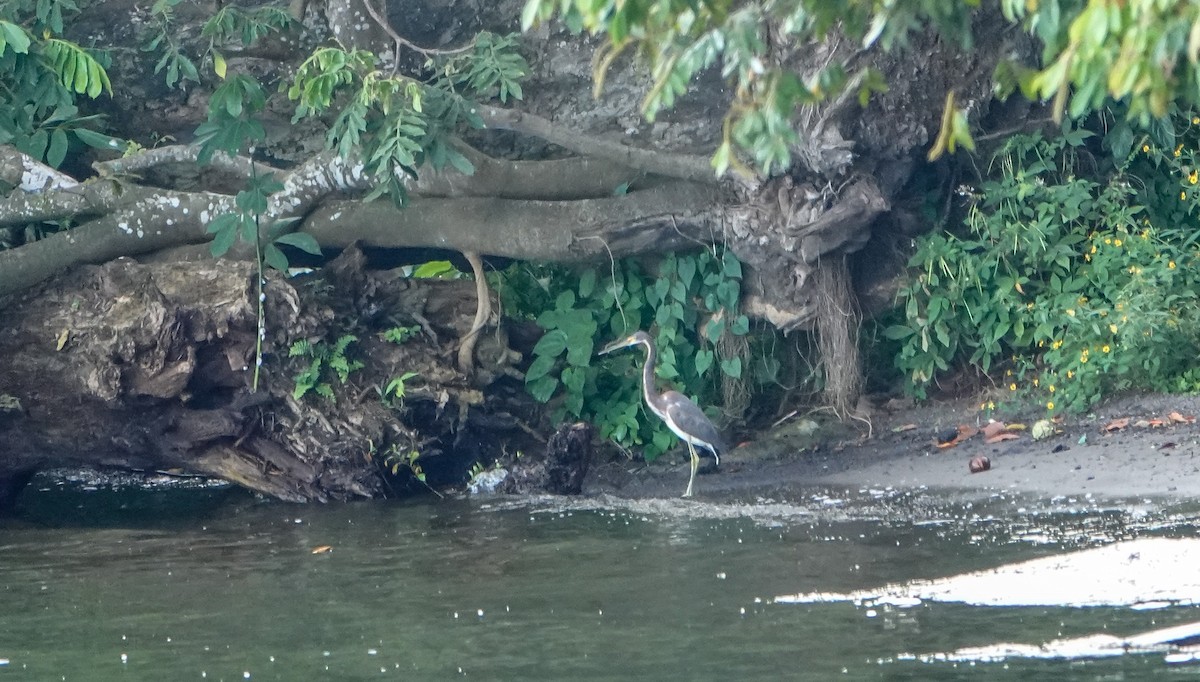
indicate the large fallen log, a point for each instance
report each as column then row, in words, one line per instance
column 151, row 367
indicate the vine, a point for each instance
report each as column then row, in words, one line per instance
column 689, row 300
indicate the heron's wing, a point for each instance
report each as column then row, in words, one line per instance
column 688, row 420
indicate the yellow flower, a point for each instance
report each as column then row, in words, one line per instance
column 1146, row 148
column 1194, row 176
column 1112, row 328
column 1070, row 373
column 991, row 405
column 1196, row 120
column 1171, row 265
column 1012, row 387
column 1071, row 312
column 1106, row 348
column 1057, row 344
column 1052, row 388
column 1182, row 196
column 1035, row 382
column 1108, row 240
column 1050, row 405
column 1116, row 242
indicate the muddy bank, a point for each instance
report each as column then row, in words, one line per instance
column 1162, row 462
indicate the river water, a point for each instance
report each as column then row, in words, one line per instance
column 211, row 583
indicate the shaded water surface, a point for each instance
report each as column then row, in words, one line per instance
column 210, row 584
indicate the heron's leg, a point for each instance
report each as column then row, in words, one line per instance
column 695, row 465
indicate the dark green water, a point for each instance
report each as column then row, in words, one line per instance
column 209, row 584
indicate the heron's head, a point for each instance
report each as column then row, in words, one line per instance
column 631, row 340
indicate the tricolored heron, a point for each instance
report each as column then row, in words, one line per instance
column 683, row 416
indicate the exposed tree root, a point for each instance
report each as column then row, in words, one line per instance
column 837, row 321
column 483, row 310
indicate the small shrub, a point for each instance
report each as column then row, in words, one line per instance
column 1061, row 281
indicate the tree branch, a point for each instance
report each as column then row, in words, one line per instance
column 680, row 166
column 238, row 166
column 29, row 175
column 658, row 219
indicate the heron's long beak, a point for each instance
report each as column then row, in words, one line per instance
column 616, row 345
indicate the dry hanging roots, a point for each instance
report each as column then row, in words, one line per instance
column 838, row 320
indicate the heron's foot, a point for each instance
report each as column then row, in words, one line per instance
column 687, row 493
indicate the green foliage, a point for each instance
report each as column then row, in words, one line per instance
column 396, row 124
column 244, row 224
column 1144, row 53
column 229, row 25
column 690, row 300
column 436, row 269
column 1060, row 280
column 42, row 75
column 492, row 68
column 231, row 124
column 173, row 62
column 399, row 335
column 678, row 40
column 324, row 359
column 245, row 25
column 395, row 390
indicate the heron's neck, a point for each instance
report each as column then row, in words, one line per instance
column 648, row 374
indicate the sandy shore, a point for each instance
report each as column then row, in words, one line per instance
column 1139, row 461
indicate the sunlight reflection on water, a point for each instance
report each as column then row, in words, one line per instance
column 541, row 588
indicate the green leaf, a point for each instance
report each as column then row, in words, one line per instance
column 14, row 38
column 460, row 162
column 275, row 258
column 300, row 240
column 57, row 152
column 98, row 140
column 222, row 242
column 529, row 14
column 587, row 283
column 539, row 368
column 579, row 353
column 704, row 360
column 573, row 379
column 565, row 300
column 714, row 329
column 732, row 367
column 687, row 271
column 432, row 269
column 542, row 388
column 740, row 326
column 552, row 344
